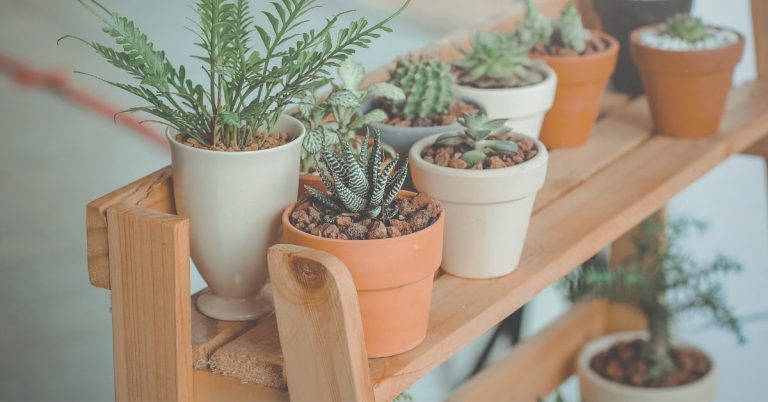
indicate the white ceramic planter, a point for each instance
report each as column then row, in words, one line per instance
column 486, row 211
column 525, row 107
column 234, row 201
column 595, row 388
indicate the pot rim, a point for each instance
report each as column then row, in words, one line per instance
column 634, row 39
column 586, row 355
column 538, row 161
column 287, row 225
column 292, row 120
column 549, row 80
column 369, row 105
column 613, row 46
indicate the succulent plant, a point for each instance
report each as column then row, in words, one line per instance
column 428, row 86
column 336, row 117
column 687, row 27
column 498, row 60
column 358, row 183
column 483, row 136
column 537, row 28
column 570, row 29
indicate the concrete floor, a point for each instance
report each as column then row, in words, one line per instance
column 55, row 331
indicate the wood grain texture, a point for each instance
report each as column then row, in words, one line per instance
column 209, row 334
column 151, row 329
column 153, row 192
column 318, row 319
column 760, row 29
column 210, row 387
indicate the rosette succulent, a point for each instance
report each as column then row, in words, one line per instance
column 687, row 27
column 428, row 86
column 336, row 118
column 498, row 60
column 360, row 183
column 483, row 136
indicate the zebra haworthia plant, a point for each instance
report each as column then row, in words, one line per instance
column 358, row 183
column 483, row 136
column 336, row 117
column 247, row 89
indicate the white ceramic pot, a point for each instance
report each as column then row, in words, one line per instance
column 525, row 107
column 234, row 201
column 486, row 211
column 595, row 388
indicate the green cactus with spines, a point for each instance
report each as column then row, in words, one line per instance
column 570, row 29
column 359, row 183
column 484, row 136
column 498, row 60
column 428, row 86
column 687, row 27
column 537, row 28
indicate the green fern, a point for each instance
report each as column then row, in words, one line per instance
column 247, row 90
column 358, row 183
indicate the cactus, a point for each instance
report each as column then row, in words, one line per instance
column 342, row 105
column 570, row 30
column 483, row 136
column 536, row 28
column 687, row 27
column 428, row 87
column 498, row 60
column 358, row 184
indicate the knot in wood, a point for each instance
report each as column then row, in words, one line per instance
column 309, row 273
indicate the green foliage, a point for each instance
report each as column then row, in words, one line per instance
column 247, row 90
column 687, row 27
column 662, row 282
column 483, row 136
column 336, row 117
column 358, row 183
column 404, row 397
column 428, row 87
column 498, row 60
column 568, row 31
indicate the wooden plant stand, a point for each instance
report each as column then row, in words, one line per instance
column 312, row 348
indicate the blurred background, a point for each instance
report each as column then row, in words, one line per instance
column 55, row 329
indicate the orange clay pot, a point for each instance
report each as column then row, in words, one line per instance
column 686, row 90
column 393, row 278
column 311, row 180
column 581, row 81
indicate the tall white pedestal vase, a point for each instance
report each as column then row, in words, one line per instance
column 234, row 201
column 486, row 211
column 524, row 107
column 595, row 388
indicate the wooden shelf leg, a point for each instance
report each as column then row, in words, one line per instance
column 151, row 308
column 318, row 319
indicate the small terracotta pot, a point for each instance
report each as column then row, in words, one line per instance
column 581, row 81
column 393, row 278
column 686, row 90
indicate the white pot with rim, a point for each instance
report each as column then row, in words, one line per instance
column 595, row 388
column 486, row 211
column 234, row 201
column 524, row 107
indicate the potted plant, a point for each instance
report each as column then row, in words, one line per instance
column 390, row 240
column 687, row 68
column 429, row 106
column 335, row 118
column 619, row 18
column 583, row 61
column 486, row 178
column 497, row 72
column 235, row 153
column 662, row 282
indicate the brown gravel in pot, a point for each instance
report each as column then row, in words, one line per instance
column 458, row 109
column 450, row 155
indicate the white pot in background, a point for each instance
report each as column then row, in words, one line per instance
column 234, row 201
column 486, row 211
column 595, row 388
column 525, row 107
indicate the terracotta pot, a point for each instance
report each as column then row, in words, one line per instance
column 686, row 90
column 524, row 107
column 487, row 211
column 595, row 388
column 619, row 18
column 234, row 212
column 393, row 278
column 581, row 81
